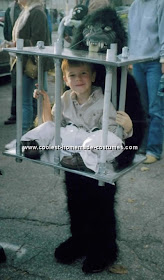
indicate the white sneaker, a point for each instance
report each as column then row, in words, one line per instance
column 11, row 145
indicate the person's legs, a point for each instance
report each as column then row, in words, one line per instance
column 100, row 226
column 13, row 83
column 140, row 77
column 45, row 86
column 75, row 246
column 45, row 81
column 12, row 118
column 34, row 102
column 28, row 88
column 139, row 74
column 13, row 102
column 93, row 224
column 156, row 110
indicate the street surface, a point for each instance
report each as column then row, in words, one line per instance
column 34, row 220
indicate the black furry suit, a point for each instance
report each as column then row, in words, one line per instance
column 92, row 207
column 93, row 223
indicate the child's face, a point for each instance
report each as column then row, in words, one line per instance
column 80, row 78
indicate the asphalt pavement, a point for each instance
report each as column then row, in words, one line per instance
column 34, row 219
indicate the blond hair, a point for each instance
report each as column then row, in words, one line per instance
column 66, row 63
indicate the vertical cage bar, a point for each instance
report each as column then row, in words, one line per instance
column 122, row 98
column 114, row 88
column 19, row 89
column 105, row 121
column 40, row 87
column 58, row 78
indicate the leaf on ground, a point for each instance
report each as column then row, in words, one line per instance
column 118, row 269
column 144, row 168
column 130, row 200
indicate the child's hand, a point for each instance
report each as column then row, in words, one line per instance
column 38, row 92
column 11, row 44
column 8, row 44
column 124, row 120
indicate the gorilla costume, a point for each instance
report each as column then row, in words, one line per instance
column 92, row 207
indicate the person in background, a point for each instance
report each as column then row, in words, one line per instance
column 54, row 15
column 146, row 38
column 11, row 16
column 32, row 26
column 49, row 21
column 95, row 5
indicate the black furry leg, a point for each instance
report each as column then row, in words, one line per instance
column 74, row 247
column 69, row 251
column 101, row 238
column 93, row 224
column 123, row 160
column 2, row 255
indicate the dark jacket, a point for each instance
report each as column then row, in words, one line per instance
column 11, row 16
column 36, row 29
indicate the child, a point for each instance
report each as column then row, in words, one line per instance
column 81, row 120
column 91, row 207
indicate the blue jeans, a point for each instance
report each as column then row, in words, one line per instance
column 29, row 103
column 147, row 76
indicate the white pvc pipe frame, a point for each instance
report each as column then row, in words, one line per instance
column 110, row 82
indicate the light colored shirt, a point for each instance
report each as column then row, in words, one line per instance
column 88, row 115
column 146, row 28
